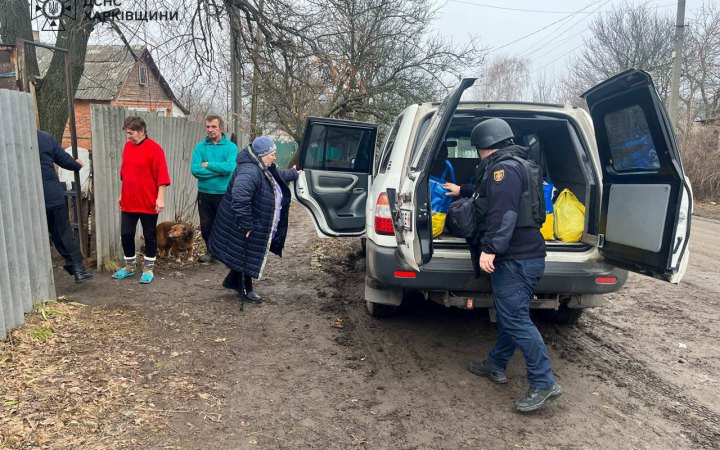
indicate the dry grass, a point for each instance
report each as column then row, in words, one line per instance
column 701, row 159
column 69, row 380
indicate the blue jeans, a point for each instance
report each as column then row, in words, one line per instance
column 513, row 282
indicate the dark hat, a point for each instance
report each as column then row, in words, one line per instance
column 262, row 146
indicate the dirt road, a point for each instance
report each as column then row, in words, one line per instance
column 309, row 369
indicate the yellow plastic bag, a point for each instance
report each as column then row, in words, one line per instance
column 547, row 228
column 569, row 217
column 438, row 223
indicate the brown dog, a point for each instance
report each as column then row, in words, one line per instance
column 175, row 238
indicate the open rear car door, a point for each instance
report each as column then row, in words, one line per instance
column 647, row 200
column 410, row 205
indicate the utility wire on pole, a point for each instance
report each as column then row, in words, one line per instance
column 236, row 79
column 677, row 58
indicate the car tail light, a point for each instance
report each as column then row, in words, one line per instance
column 605, row 280
column 405, row 274
column 383, row 217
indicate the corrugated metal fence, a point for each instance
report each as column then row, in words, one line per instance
column 26, row 276
column 177, row 137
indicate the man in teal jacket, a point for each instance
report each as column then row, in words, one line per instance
column 213, row 163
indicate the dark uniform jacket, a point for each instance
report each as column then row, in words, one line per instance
column 502, row 184
column 249, row 205
column 50, row 154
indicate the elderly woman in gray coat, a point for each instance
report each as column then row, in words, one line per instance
column 253, row 216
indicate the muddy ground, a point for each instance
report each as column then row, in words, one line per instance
column 177, row 365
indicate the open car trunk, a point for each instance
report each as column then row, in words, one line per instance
column 553, row 142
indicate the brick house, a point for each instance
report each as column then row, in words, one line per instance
column 116, row 76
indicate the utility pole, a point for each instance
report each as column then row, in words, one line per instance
column 236, row 79
column 677, row 62
column 254, row 132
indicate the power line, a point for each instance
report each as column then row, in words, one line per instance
column 512, row 9
column 546, row 26
column 553, row 40
column 559, row 44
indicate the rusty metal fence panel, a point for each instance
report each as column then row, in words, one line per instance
column 26, row 276
column 177, row 137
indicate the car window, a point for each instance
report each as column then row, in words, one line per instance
column 462, row 149
column 339, row 148
column 389, row 143
column 631, row 146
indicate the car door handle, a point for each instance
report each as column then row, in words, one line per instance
column 358, row 190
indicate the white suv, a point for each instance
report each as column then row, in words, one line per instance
column 621, row 161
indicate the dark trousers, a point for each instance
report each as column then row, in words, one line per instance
column 128, row 223
column 208, row 205
column 62, row 236
column 513, row 282
column 234, row 277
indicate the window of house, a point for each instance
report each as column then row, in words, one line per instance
column 142, row 75
column 162, row 112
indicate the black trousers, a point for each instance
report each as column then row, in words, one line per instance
column 208, row 205
column 128, row 223
column 62, row 236
column 233, row 279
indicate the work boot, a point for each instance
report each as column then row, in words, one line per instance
column 483, row 369
column 81, row 274
column 206, row 258
column 535, row 398
column 252, row 297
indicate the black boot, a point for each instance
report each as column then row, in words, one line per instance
column 81, row 274
column 69, row 269
column 250, row 296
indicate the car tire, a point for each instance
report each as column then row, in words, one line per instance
column 560, row 316
column 379, row 310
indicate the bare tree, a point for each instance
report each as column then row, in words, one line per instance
column 544, row 90
column 73, row 35
column 702, row 64
column 363, row 60
column 627, row 36
column 505, row 78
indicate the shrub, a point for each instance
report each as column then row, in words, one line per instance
column 701, row 159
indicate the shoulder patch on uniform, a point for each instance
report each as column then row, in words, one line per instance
column 499, row 175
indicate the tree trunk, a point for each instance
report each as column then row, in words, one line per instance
column 51, row 90
column 15, row 24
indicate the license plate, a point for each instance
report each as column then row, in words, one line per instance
column 406, row 219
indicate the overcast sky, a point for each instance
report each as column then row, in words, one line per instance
column 548, row 32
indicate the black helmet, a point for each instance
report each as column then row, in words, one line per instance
column 490, row 132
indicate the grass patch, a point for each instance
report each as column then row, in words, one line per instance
column 41, row 333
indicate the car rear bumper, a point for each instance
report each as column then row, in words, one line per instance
column 457, row 275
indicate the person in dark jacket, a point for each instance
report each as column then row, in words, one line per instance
column 512, row 251
column 253, row 216
column 55, row 206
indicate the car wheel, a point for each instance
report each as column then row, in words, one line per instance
column 379, row 310
column 560, row 316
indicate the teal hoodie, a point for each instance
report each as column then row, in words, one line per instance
column 220, row 157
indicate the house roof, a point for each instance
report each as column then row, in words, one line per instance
column 106, row 69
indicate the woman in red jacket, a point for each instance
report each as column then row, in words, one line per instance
column 144, row 176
